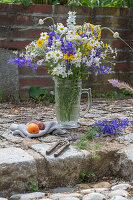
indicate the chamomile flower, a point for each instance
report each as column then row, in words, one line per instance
column 49, row 55
column 56, row 42
column 92, row 42
column 44, row 37
column 97, row 44
column 57, row 55
column 43, row 34
column 61, row 29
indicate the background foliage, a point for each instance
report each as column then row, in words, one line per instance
column 90, row 3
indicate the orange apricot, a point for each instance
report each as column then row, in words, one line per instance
column 33, row 128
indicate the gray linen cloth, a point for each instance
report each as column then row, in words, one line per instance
column 50, row 128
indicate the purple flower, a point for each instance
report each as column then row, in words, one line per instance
column 100, row 70
column 50, row 39
column 69, row 48
column 98, row 52
column 120, row 85
column 69, row 65
column 110, row 127
column 23, row 62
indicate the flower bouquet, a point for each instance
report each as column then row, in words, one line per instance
column 71, row 52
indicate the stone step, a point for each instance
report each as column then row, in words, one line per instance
column 19, row 167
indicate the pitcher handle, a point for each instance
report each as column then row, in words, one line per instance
column 89, row 102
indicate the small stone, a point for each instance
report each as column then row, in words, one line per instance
column 92, row 190
column 122, row 186
column 28, row 196
column 118, row 198
column 62, row 195
column 88, row 191
column 46, row 199
column 83, row 186
column 3, row 198
column 101, row 190
column 122, row 193
column 94, row 196
column 103, row 184
column 68, row 198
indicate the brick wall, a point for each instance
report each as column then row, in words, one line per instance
column 15, row 17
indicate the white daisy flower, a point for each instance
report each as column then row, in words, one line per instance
column 49, row 55
column 61, row 29
column 57, row 55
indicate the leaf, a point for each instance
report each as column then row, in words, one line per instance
column 25, row 3
column 91, row 174
column 56, row 2
column 82, row 176
column 35, row 92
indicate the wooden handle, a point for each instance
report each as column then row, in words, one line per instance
column 52, row 148
column 58, row 152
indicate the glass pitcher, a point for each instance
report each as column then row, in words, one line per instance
column 67, row 102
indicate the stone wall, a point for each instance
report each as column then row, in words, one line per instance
column 14, row 17
column 9, row 79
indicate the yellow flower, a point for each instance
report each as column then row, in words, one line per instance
column 89, row 47
column 106, row 46
column 76, row 33
column 82, row 32
column 39, row 43
column 46, row 38
column 99, row 35
column 67, row 57
column 92, row 27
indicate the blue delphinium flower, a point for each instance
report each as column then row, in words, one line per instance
column 23, row 62
column 110, row 127
column 69, row 65
column 100, row 70
column 98, row 52
column 69, row 48
column 50, row 39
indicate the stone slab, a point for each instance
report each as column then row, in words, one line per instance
column 28, row 196
column 128, row 137
column 17, row 169
column 65, row 169
column 9, row 80
column 124, row 165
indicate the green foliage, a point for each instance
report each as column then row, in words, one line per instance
column 33, row 187
column 89, row 3
column 111, row 94
column 1, row 96
column 41, row 95
column 96, row 156
column 25, row 3
column 35, row 92
column 85, row 176
column 102, row 3
column 82, row 141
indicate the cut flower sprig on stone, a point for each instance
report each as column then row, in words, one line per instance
column 120, row 85
column 71, row 51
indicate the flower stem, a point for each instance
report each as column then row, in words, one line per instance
column 117, row 37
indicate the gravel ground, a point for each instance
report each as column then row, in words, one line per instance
column 101, row 109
